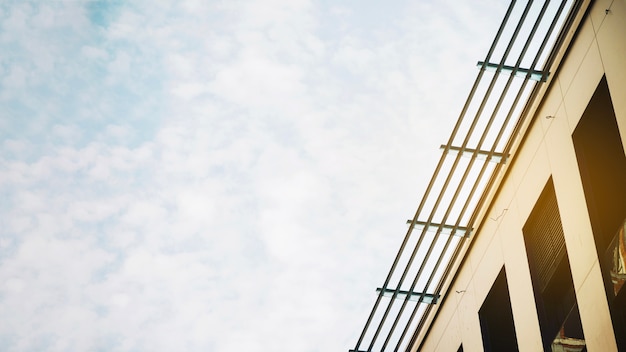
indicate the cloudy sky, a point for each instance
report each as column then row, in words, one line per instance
column 217, row 175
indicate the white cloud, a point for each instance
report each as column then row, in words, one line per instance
column 258, row 83
column 120, row 65
column 211, row 176
column 94, row 53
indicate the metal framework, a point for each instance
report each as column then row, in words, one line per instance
column 459, row 185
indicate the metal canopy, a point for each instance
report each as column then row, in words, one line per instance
column 528, row 37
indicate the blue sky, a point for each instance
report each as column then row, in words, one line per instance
column 216, row 175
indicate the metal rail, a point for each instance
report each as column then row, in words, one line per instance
column 500, row 134
column 437, row 170
column 432, row 270
column 475, row 153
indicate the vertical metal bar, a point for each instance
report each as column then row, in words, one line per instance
column 520, row 92
column 453, row 168
column 437, row 170
column 456, row 252
column 481, row 200
column 467, row 171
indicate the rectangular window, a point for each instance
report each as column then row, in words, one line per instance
column 602, row 166
column 553, row 287
column 496, row 318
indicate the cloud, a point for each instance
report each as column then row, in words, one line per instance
column 256, row 83
column 211, row 176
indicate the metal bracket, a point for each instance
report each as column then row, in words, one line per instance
column 445, row 229
column 427, row 298
column 535, row 75
column 481, row 154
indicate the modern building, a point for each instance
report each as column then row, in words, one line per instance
column 519, row 242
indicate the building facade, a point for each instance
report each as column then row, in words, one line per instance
column 540, row 262
column 546, row 268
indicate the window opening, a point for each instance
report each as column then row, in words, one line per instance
column 555, row 297
column 602, row 166
column 496, row 318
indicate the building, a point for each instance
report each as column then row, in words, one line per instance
column 519, row 242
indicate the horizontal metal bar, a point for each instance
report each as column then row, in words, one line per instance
column 481, row 154
column 428, row 298
column 445, row 229
column 535, row 75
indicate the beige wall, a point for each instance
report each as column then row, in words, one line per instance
column 598, row 49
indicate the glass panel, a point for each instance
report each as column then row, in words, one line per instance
column 617, row 253
column 570, row 337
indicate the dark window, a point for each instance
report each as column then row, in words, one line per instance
column 496, row 318
column 555, row 297
column 602, row 166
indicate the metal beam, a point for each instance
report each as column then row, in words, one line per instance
column 445, row 229
column 486, row 154
column 427, row 298
column 535, row 75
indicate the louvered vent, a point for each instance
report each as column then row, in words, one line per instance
column 543, row 233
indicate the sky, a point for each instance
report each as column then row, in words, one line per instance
column 217, row 175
